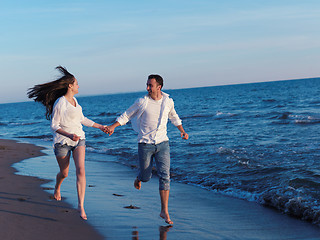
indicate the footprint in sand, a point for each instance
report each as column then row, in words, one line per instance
column 132, row 207
column 117, row 195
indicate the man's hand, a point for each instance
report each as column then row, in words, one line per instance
column 109, row 129
column 185, row 135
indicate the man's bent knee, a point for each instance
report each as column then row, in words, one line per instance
column 164, row 184
column 144, row 178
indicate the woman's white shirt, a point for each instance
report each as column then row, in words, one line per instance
column 70, row 119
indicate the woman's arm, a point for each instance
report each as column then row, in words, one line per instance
column 89, row 123
column 101, row 127
column 73, row 137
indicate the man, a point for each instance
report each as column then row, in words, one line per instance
column 149, row 116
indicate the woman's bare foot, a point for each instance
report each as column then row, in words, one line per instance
column 57, row 194
column 166, row 218
column 82, row 213
column 137, row 184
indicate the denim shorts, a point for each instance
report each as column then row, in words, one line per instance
column 161, row 154
column 64, row 150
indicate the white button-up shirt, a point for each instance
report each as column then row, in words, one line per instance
column 140, row 115
column 70, row 119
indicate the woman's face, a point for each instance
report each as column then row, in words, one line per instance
column 75, row 86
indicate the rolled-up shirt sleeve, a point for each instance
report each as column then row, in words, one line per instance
column 87, row 122
column 174, row 117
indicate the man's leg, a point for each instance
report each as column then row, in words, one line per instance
column 162, row 158
column 164, row 197
column 145, row 153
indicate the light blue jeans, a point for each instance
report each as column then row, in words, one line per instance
column 161, row 154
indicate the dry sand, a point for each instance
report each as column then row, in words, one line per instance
column 26, row 211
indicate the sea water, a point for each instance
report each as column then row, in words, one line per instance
column 258, row 141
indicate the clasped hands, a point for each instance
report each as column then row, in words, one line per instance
column 107, row 129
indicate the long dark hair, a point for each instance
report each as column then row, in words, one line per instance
column 48, row 93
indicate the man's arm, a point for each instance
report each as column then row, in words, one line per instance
column 184, row 135
column 175, row 120
column 125, row 117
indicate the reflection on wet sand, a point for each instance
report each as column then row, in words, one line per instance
column 135, row 234
column 162, row 232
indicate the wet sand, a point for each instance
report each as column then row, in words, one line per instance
column 197, row 213
column 118, row 211
column 26, row 210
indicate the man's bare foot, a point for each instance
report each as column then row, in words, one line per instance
column 57, row 194
column 166, row 218
column 137, row 184
column 82, row 213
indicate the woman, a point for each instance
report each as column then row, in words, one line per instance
column 66, row 123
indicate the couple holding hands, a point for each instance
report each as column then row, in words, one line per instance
column 149, row 116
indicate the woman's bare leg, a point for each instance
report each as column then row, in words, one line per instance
column 79, row 160
column 63, row 163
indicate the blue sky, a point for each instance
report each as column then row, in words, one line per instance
column 112, row 46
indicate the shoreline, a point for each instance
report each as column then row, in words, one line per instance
column 27, row 211
column 197, row 213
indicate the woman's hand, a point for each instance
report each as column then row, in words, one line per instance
column 74, row 137
column 101, row 127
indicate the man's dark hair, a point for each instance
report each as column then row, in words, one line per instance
column 158, row 79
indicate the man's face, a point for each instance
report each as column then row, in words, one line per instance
column 153, row 87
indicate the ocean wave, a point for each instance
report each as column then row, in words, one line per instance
column 197, row 116
column 285, row 200
column 279, row 106
column 269, row 100
column 108, row 114
column 100, row 150
column 225, row 151
column 196, row 144
column 315, row 102
column 43, row 137
column 298, row 207
column 122, row 153
column 23, row 123
column 290, row 118
column 305, row 119
column 221, row 115
column 218, row 115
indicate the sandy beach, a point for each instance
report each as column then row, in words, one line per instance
column 26, row 211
